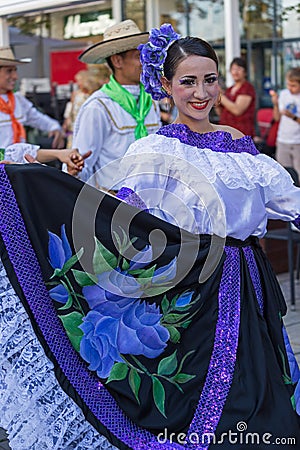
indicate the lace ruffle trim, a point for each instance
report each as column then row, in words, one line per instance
column 16, row 152
column 235, row 170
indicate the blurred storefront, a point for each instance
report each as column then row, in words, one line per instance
column 59, row 33
column 266, row 32
column 269, row 34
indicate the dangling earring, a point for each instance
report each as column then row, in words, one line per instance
column 218, row 102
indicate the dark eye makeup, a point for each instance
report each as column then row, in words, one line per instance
column 189, row 80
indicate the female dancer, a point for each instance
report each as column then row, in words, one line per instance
column 209, row 179
column 163, row 330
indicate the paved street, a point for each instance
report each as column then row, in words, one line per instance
column 292, row 323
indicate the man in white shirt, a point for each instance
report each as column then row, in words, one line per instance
column 120, row 112
column 16, row 111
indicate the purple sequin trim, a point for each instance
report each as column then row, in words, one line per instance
column 221, row 366
column 131, row 198
column 254, row 274
column 28, row 272
column 296, row 222
column 217, row 141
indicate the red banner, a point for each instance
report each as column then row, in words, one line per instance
column 65, row 65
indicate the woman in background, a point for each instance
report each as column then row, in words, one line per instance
column 237, row 104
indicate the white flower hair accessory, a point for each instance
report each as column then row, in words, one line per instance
column 153, row 55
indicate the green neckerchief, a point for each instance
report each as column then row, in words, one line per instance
column 128, row 102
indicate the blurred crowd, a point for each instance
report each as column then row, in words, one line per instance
column 276, row 130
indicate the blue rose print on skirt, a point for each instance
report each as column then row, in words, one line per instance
column 59, row 249
column 135, row 331
column 118, row 326
column 99, row 343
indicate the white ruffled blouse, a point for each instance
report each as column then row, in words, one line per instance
column 207, row 191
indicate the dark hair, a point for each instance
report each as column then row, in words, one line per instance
column 239, row 62
column 110, row 64
column 184, row 47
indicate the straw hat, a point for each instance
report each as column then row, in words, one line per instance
column 117, row 38
column 7, row 58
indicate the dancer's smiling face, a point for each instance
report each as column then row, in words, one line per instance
column 194, row 88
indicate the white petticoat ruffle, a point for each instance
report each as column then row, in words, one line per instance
column 35, row 411
column 15, row 152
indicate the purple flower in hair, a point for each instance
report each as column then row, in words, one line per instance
column 161, row 37
column 153, row 82
column 153, row 55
